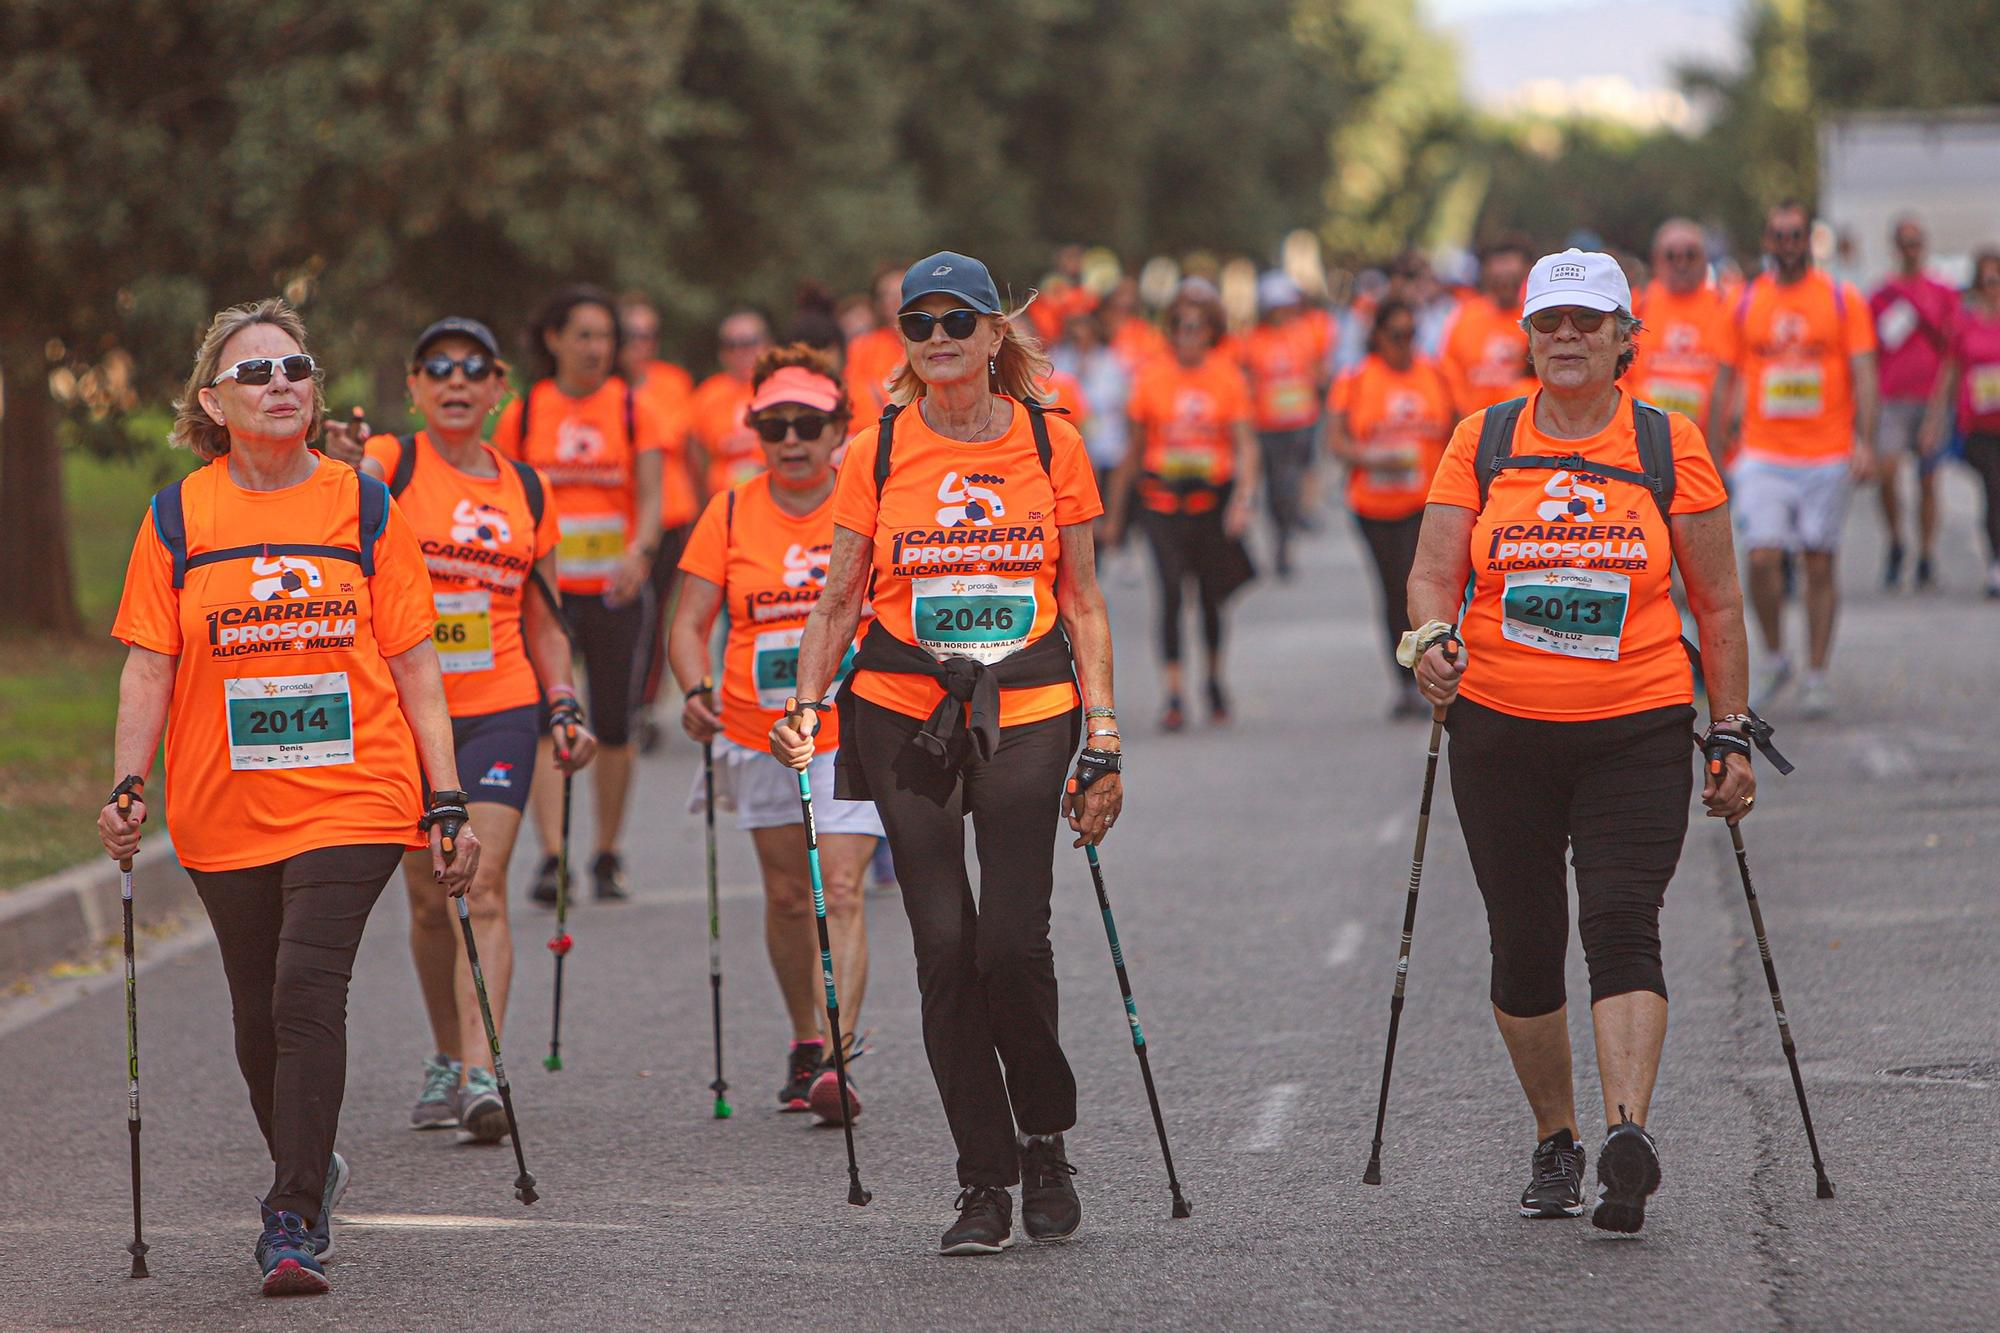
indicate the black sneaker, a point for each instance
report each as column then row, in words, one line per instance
column 1926, row 574
column 1892, row 567
column 1050, row 1210
column 985, row 1222
column 801, row 1068
column 1628, row 1170
column 546, row 882
column 1555, row 1189
column 607, row 872
column 1173, row 717
column 1218, row 704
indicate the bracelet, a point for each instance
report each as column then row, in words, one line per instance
column 704, row 688
column 1091, row 714
column 1105, row 732
column 1741, row 719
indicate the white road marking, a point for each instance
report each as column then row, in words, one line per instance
column 1346, row 944
column 1273, row 1118
column 466, row 1222
column 1885, row 761
column 1392, row 827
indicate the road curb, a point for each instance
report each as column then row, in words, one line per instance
column 74, row 912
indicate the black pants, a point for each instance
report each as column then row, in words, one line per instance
column 614, row 643
column 1393, row 544
column 288, row 933
column 1287, row 456
column 1615, row 792
column 666, row 573
column 1194, row 547
column 985, row 968
column 1983, row 452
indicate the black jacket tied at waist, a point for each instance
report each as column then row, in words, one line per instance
column 1046, row 661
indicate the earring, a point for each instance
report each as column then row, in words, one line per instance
column 993, row 367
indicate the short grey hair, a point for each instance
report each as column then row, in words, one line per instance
column 1630, row 326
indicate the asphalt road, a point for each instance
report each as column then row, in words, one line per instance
column 1259, row 879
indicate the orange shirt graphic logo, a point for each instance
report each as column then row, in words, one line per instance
column 805, row 566
column 480, row 523
column 970, row 504
column 578, row 442
column 1569, row 498
column 286, row 576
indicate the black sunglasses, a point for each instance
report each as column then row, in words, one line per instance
column 808, row 425
column 1586, row 321
column 1786, row 233
column 439, row 366
column 958, row 324
column 258, row 370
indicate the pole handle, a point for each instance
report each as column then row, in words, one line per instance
column 125, row 810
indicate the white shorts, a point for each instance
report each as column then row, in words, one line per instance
column 765, row 794
column 1790, row 507
column 1902, row 421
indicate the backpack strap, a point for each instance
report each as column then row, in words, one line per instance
column 1656, row 454
column 374, row 519
column 406, row 464
column 884, row 441
column 729, row 519
column 631, row 419
column 170, row 525
column 1038, row 420
column 1496, row 442
column 531, row 486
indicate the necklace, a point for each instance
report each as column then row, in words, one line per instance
column 978, row 436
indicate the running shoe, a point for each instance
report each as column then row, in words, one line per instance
column 985, row 1222
column 1173, row 717
column 437, row 1105
column 547, row 882
column 1926, row 574
column 338, row 1174
column 1775, row 680
column 1218, row 705
column 1555, row 1182
column 1050, row 1210
column 802, row 1065
column 484, row 1115
column 1892, row 568
column 1993, row 581
column 648, row 729
column 285, row 1257
column 607, row 873
column 1628, row 1171
column 824, row 1098
column 1815, row 696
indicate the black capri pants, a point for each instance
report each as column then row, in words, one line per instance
column 614, row 642
column 1195, row 548
column 1392, row 543
column 1615, row 792
column 985, row 968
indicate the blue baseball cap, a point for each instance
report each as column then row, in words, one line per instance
column 955, row 275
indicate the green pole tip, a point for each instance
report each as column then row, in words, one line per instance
column 552, row 1062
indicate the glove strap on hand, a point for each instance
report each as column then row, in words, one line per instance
column 1093, row 766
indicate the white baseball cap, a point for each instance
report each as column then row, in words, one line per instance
column 1587, row 278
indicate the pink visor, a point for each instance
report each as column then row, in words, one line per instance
column 796, row 384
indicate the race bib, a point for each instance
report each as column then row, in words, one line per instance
column 464, row 631
column 1793, row 391
column 774, row 666
column 1187, row 464
column 973, row 615
column 1392, row 465
column 591, row 545
column 1983, row 383
column 1573, row 612
column 1671, row 395
column 1289, row 400
column 289, row 721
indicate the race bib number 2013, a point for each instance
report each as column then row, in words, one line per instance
column 289, row 721
column 1570, row 612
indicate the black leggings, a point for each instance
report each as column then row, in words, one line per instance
column 613, row 641
column 1287, row 456
column 1393, row 544
column 985, row 968
column 1189, row 547
column 288, row 933
column 666, row 573
column 1983, row 452
column 1615, row 791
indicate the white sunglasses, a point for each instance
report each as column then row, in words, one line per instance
column 258, row 370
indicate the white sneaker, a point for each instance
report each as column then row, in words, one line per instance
column 1815, row 697
column 1773, row 682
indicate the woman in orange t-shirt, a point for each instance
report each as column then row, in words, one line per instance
column 488, row 531
column 1388, row 420
column 969, row 513
column 761, row 550
column 1573, row 710
column 278, row 614
column 1195, row 463
column 585, row 429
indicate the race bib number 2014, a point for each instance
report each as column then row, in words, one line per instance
column 1570, row 612
column 289, row 721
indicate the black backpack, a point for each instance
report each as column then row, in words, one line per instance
column 1037, row 420
column 170, row 523
column 1656, row 453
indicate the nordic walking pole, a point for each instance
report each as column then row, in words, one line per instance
column 855, row 1194
column 524, row 1184
column 721, row 1085
column 138, row 1247
column 1182, row 1208
column 1373, row 1175
column 559, row 945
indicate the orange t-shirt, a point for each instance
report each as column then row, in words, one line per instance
column 285, row 733
column 480, row 541
column 582, row 447
column 1284, row 363
column 664, row 393
column 966, row 549
column 1186, row 419
column 715, row 422
column 1681, row 348
column 1399, row 421
column 1572, row 616
column 871, row 360
column 771, row 567
column 1137, row 341
column 1484, row 355
column 1791, row 348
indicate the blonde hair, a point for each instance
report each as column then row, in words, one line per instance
column 194, row 429
column 1020, row 367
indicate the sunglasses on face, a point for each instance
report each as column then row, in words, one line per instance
column 258, row 370
column 958, row 324
column 477, row 366
column 808, row 426
column 1786, row 234
column 1584, row 321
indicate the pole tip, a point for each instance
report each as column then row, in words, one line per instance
column 723, row 1110
column 1825, row 1187
column 857, row 1196
column 138, row 1249
column 524, row 1188
column 1373, row 1175
column 1182, row 1208
column 552, row 1062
